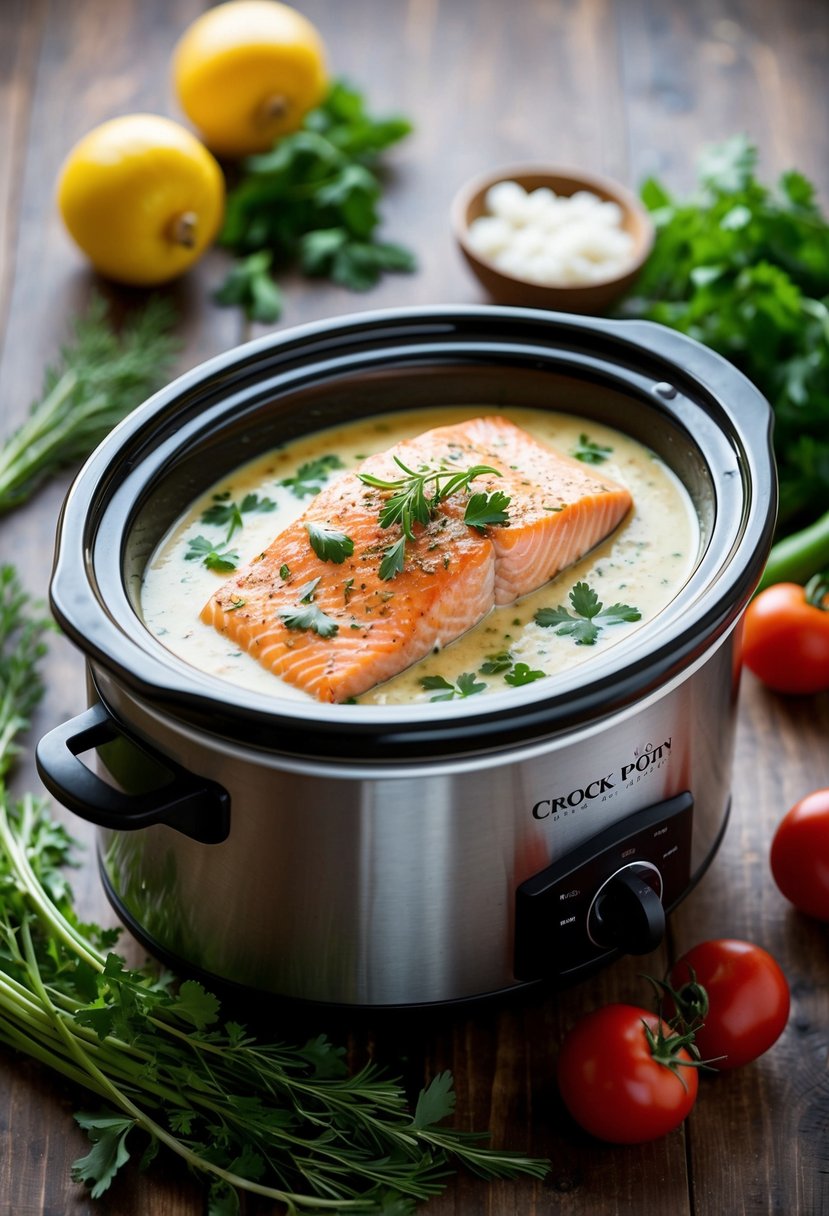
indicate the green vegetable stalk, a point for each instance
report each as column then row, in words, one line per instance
column 283, row 1122
column 798, row 556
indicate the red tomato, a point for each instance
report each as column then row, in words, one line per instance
column 786, row 639
column 800, row 855
column 748, row 999
column 613, row 1085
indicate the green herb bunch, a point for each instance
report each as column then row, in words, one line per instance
column 287, row 1123
column 314, row 201
column 744, row 268
column 100, row 377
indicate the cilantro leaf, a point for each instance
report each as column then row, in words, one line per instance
column 590, row 616
column 590, row 452
column 483, row 510
column 306, row 592
column 194, row 1005
column 329, row 544
column 109, row 1152
column 311, row 476
column 215, row 557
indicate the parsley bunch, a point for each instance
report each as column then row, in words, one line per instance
column 744, row 268
column 168, row 1070
column 313, row 200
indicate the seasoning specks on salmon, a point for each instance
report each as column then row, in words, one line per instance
column 453, row 574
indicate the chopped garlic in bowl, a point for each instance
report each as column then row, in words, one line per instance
column 551, row 239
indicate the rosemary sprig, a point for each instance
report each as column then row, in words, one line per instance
column 415, row 497
column 99, row 378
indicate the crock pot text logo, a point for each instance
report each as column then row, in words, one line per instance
column 643, row 760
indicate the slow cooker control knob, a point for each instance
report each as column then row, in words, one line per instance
column 627, row 912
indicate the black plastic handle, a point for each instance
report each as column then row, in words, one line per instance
column 193, row 805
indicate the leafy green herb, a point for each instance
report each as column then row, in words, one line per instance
column 496, row 663
column 250, row 286
column 590, row 616
column 311, row 476
column 215, row 557
column 484, row 510
column 311, row 617
column 306, row 592
column 313, row 200
column 744, row 268
column 234, row 604
column 410, row 503
column 466, row 686
column 329, row 544
column 590, row 452
column 394, row 559
column 99, row 378
column 285, row 1122
column 284, row 572
column 522, row 674
column 226, row 513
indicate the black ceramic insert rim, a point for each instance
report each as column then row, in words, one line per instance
column 697, row 391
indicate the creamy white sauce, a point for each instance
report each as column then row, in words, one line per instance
column 644, row 563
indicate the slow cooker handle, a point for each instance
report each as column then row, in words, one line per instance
column 193, row 805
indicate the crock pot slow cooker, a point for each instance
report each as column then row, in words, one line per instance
column 399, row 855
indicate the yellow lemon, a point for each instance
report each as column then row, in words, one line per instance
column 247, row 72
column 142, row 197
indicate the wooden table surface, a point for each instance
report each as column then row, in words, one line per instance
column 625, row 87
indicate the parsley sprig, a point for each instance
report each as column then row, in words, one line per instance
column 466, row 686
column 311, row 476
column 314, row 201
column 590, row 616
column 216, row 557
column 305, row 614
column 415, row 497
column 589, row 451
column 224, row 512
column 514, row 671
column 329, row 544
column 165, row 1067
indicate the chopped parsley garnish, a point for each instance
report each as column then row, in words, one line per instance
column 234, row 604
column 410, row 502
column 226, row 513
column 311, row 476
column 590, row 452
column 393, row 559
column 590, row 616
column 514, row 673
column 522, row 674
column 284, row 572
column 482, row 510
column 307, row 615
column 215, row 557
column 329, row 544
column 466, row 686
column 496, row 662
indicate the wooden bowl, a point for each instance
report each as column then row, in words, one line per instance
column 594, row 297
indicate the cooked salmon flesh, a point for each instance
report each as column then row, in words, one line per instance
column 324, row 619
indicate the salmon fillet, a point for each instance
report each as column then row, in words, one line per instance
column 367, row 629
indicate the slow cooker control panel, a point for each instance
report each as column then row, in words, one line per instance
column 607, row 896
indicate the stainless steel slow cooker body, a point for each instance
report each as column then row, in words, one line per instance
column 393, row 855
